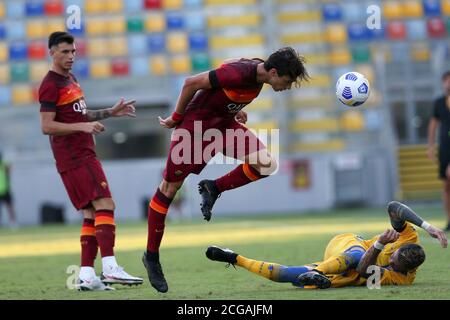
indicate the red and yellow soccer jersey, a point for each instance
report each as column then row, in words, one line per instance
column 63, row 95
column 234, row 86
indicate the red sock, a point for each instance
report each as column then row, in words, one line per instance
column 242, row 175
column 105, row 231
column 157, row 211
column 88, row 242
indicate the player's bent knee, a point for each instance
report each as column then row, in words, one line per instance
column 170, row 189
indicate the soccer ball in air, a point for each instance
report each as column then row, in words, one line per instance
column 352, row 89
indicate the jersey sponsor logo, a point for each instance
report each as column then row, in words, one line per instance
column 235, row 107
column 80, row 106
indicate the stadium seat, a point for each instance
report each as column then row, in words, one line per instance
column 53, row 7
column 396, row 30
column 340, row 56
column 19, row 72
column 180, row 64
column 37, row 50
column 36, row 29
column 18, row 51
column 352, row 120
column 55, row 25
column 432, row 7
column 2, row 31
column 114, row 6
column 155, row 23
column 336, row 33
column 220, row 42
column 152, row 4
column 116, row 25
column 5, row 94
column 174, row 21
column 81, row 68
column 117, row 47
column 22, row 94
column 156, row 43
column 5, row 74
column 331, row 12
column 296, row 16
column 200, row 62
column 413, row 9
column 229, row 2
column 392, row 10
column 15, row 9
column 100, row 69
column 15, row 30
column 354, row 11
column 172, row 4
column 302, row 37
column 137, row 45
column 81, row 46
column 198, row 42
column 95, row 26
column 4, row 53
column 97, row 47
column 95, row 6
column 133, row 6
column 446, row 7
column 120, row 67
column 38, row 70
column 195, row 20
column 2, row 10
column 416, row 29
column 377, row 34
column 436, row 28
column 420, row 52
column 135, row 24
column 77, row 31
column 323, row 146
column 177, row 42
column 361, row 54
column 34, row 8
column 357, row 32
column 139, row 66
column 247, row 20
column 192, row 3
column 158, row 65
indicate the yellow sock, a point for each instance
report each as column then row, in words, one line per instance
column 334, row 265
column 267, row 270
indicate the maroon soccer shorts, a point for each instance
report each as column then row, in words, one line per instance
column 86, row 183
column 178, row 169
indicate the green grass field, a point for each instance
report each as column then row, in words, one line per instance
column 33, row 261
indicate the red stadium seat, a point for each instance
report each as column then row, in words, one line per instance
column 120, row 67
column 152, row 4
column 81, row 47
column 396, row 30
column 436, row 28
column 37, row 50
column 54, row 7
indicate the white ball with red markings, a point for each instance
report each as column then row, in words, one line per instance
column 352, row 89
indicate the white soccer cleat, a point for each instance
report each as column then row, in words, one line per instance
column 92, row 284
column 119, row 276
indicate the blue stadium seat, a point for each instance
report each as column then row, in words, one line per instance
column 174, row 21
column 15, row 30
column 77, row 31
column 416, row 29
column 18, row 51
column 377, row 34
column 198, row 42
column 358, row 32
column 195, row 21
column 2, row 31
column 354, row 11
column 139, row 66
column 81, row 68
column 5, row 95
column 432, row 7
column 192, row 3
column 137, row 45
column 34, row 8
column 331, row 12
column 156, row 43
column 133, row 6
column 15, row 9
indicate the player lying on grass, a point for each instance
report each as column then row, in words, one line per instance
column 348, row 256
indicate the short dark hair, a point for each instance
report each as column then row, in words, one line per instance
column 411, row 256
column 287, row 61
column 58, row 37
column 445, row 75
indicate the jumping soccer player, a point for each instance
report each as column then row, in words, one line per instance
column 70, row 126
column 348, row 256
column 213, row 100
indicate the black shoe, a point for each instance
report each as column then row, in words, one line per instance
column 447, row 229
column 208, row 191
column 223, row 255
column 155, row 274
column 314, row 278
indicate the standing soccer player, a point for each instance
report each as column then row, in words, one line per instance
column 213, row 100
column 70, row 126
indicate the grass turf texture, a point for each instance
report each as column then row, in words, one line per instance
column 33, row 260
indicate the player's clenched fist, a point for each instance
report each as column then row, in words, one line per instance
column 92, row 127
column 388, row 236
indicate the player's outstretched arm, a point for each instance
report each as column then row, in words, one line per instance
column 400, row 213
column 51, row 127
column 120, row 109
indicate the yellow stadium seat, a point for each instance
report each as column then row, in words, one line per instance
column 367, row 70
column 95, row 6
column 341, row 56
column 325, row 146
column 446, row 7
column 261, row 104
column 117, row 46
column 155, row 23
column 177, row 42
column 229, row 2
column 36, row 29
column 97, row 47
column 116, row 25
column 413, row 9
column 392, row 9
column 249, row 20
column 303, row 16
column 180, row 64
column 318, row 59
column 309, row 37
column 3, row 52
column 158, row 65
column 420, row 52
column 2, row 10
column 22, row 94
column 336, row 33
column 100, row 69
column 38, row 70
column 263, row 125
column 4, row 74
column 352, row 120
column 55, row 25
column 172, row 4
column 114, row 6
column 96, row 26
column 220, row 42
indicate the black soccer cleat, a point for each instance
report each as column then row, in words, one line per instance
column 155, row 274
column 223, row 255
column 208, row 191
column 314, row 278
